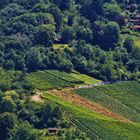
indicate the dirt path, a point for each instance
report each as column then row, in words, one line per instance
column 78, row 100
column 67, row 95
column 37, row 97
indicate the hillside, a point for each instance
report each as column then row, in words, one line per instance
column 69, row 70
column 121, row 98
column 51, row 34
column 113, row 120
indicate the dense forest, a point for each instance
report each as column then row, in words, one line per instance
column 99, row 38
column 93, row 35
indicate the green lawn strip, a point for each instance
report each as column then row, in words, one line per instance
column 105, row 128
column 94, row 94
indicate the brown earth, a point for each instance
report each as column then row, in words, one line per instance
column 68, row 96
column 37, row 97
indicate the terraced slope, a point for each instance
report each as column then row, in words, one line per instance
column 96, row 125
column 109, row 112
column 121, row 98
column 53, row 79
column 78, row 100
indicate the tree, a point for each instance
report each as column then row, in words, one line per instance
column 65, row 65
column 9, row 65
column 23, row 131
column 7, row 105
column 7, row 121
column 20, row 63
column 45, row 35
column 46, row 115
column 3, row 2
column 57, row 112
column 111, row 35
column 108, row 71
column 4, row 86
column 34, row 59
column 128, row 44
column 67, row 34
column 64, row 4
column 58, row 16
column 94, row 7
column 83, row 33
column 112, row 11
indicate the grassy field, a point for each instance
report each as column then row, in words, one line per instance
column 95, row 125
column 121, row 98
column 50, row 79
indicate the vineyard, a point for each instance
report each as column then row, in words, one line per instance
column 97, row 126
column 107, row 112
column 87, row 79
column 65, row 76
column 121, row 98
column 50, row 79
column 43, row 80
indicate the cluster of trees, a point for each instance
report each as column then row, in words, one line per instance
column 91, row 28
column 21, row 119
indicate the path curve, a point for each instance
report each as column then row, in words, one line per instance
column 67, row 95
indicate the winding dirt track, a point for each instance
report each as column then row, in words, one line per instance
column 68, row 96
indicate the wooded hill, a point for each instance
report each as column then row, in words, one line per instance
column 48, row 48
column 90, row 36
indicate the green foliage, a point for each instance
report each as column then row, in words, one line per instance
column 33, row 59
column 90, row 29
column 68, row 34
column 8, row 105
column 7, row 122
column 111, row 34
column 94, row 36
column 112, row 11
column 23, row 131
